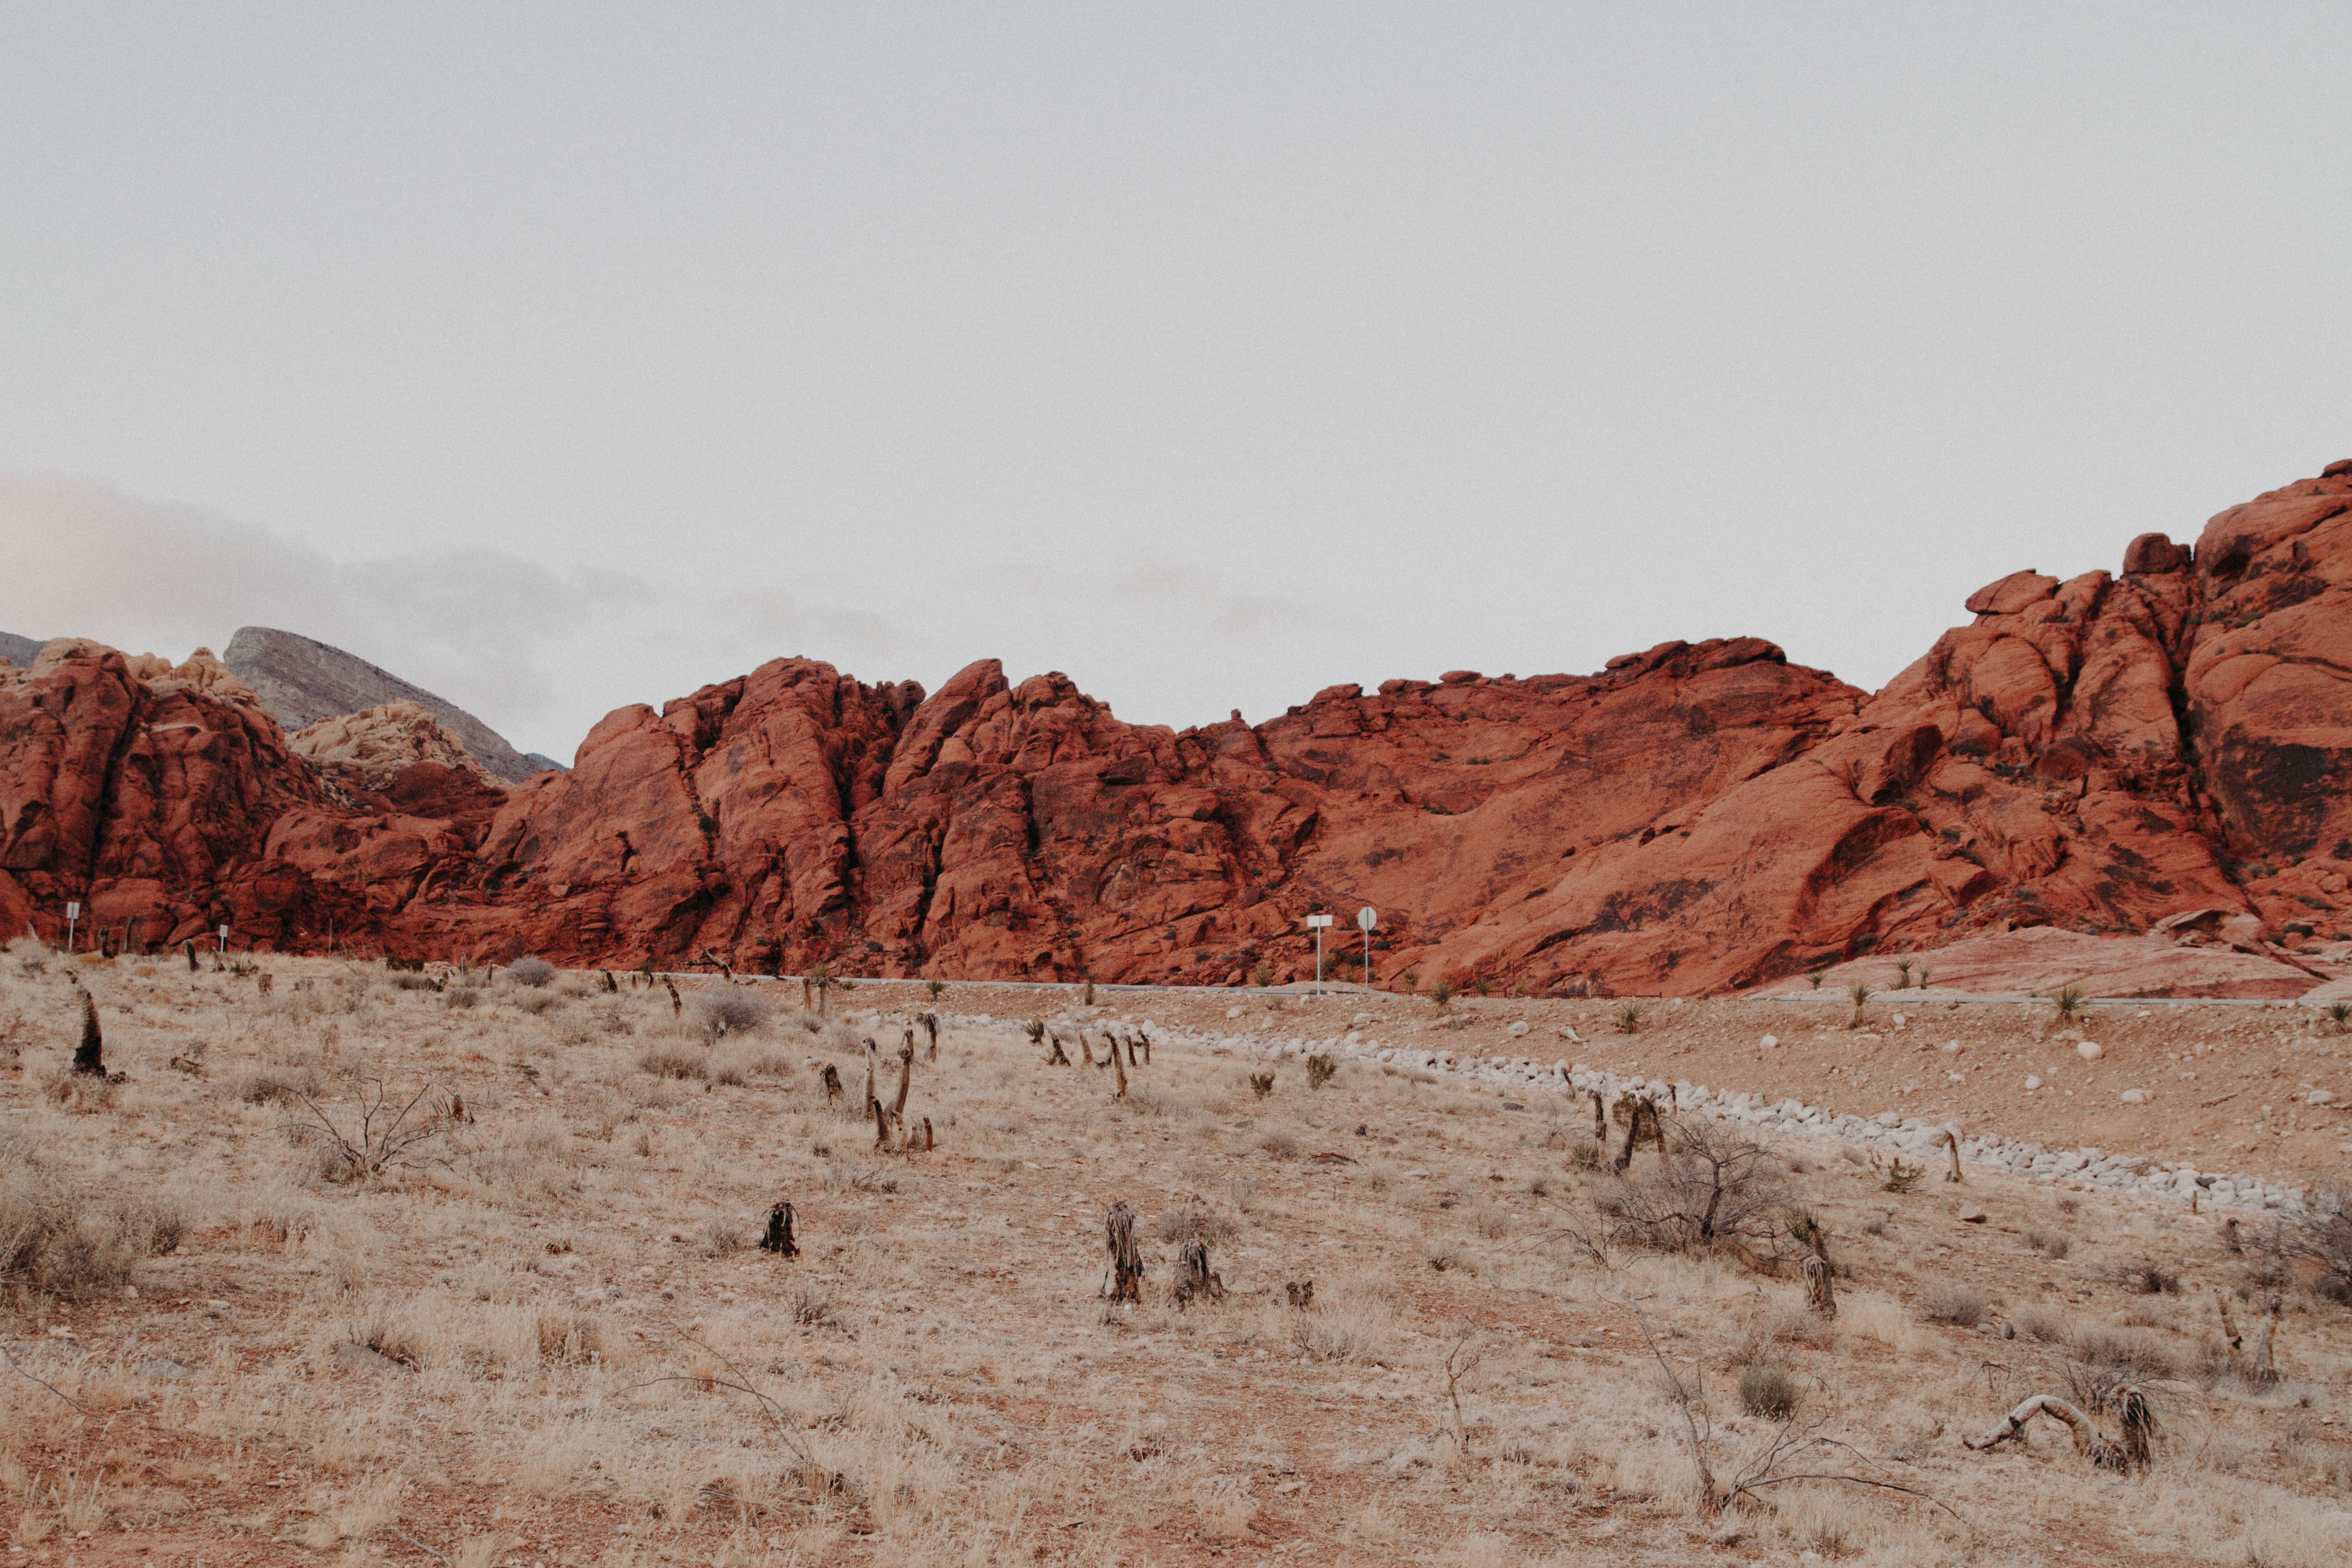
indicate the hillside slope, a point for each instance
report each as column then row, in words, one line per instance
column 301, row 681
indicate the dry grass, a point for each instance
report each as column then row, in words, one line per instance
column 549, row 1338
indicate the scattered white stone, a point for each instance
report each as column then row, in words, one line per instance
column 2089, row 1050
column 2135, row 1097
column 2033, row 1081
column 1901, row 1021
column 1769, row 1041
column 1516, row 1030
column 2320, row 1097
column 1951, row 1048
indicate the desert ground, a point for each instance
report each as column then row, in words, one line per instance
column 365, row 1266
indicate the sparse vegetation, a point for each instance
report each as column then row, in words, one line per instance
column 1859, row 994
column 724, row 1010
column 1767, row 1389
column 1954, row 1305
column 2068, row 1002
column 1628, row 1017
column 531, row 972
column 1414, row 1273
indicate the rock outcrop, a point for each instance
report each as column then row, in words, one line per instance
column 301, row 682
column 2156, row 750
column 372, row 748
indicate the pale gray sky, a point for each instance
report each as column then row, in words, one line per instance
column 561, row 356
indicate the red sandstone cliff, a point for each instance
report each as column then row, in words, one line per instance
column 2100, row 754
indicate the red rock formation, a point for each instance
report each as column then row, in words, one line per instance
column 2101, row 755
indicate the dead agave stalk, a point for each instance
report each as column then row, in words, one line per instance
column 1953, row 1145
column 779, row 1239
column 1119, row 1062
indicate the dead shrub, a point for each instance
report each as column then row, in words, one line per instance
column 2323, row 1236
column 275, row 1085
column 568, row 1338
column 726, row 1010
column 2053, row 1246
column 1767, row 1389
column 2099, row 1360
column 531, row 972
column 1714, row 1186
column 84, row 1094
column 1955, row 1305
column 674, row 1061
column 64, row 1240
column 1178, row 1227
column 536, row 1003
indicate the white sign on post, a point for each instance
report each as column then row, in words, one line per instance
column 1316, row 923
column 224, row 939
column 1366, row 918
column 73, row 918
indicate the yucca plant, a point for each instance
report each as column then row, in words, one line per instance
column 1861, row 995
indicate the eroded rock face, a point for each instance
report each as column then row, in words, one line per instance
column 2267, row 683
column 373, row 747
column 2158, row 750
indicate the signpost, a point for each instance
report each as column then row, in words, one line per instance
column 73, row 918
column 224, row 939
column 1316, row 923
column 1366, row 918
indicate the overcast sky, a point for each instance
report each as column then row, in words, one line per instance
column 557, row 357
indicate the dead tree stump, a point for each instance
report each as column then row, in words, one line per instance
column 1821, row 1279
column 1953, row 1145
column 676, row 1004
column 1197, row 1282
column 189, row 947
column 2262, row 1371
column 1124, row 1282
column 1300, row 1293
column 779, row 1239
column 1119, row 1063
column 831, row 1076
column 932, row 1026
column 1059, row 1054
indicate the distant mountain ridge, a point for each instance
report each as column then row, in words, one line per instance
column 301, row 680
column 18, row 652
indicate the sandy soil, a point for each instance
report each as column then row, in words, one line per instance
column 541, row 1335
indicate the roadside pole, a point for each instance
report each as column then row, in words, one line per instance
column 1318, row 922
